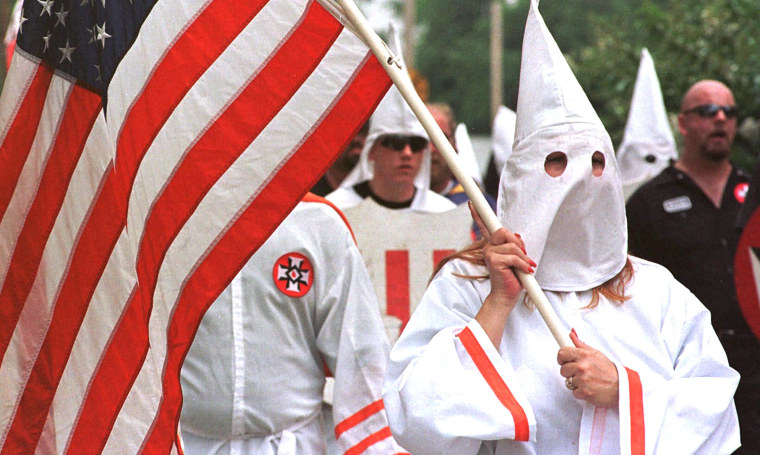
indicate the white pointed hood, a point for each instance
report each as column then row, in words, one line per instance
column 502, row 135
column 466, row 153
column 573, row 225
column 648, row 144
column 392, row 116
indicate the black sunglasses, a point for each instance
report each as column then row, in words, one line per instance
column 397, row 142
column 711, row 110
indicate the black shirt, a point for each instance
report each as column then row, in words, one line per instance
column 363, row 190
column 673, row 223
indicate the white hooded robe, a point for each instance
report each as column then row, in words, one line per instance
column 448, row 390
column 253, row 378
column 392, row 116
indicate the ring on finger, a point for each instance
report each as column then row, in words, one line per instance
column 569, row 383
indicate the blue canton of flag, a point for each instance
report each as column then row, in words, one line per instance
column 85, row 39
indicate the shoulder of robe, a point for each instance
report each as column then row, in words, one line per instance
column 330, row 210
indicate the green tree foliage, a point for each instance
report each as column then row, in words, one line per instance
column 689, row 41
column 453, row 54
column 453, row 47
column 602, row 40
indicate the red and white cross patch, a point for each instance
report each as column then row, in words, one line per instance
column 293, row 274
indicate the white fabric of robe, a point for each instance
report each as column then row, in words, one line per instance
column 438, row 401
column 253, row 378
column 424, row 200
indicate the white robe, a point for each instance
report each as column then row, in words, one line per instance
column 670, row 364
column 424, row 200
column 253, row 378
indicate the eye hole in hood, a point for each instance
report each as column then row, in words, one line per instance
column 555, row 163
column 597, row 163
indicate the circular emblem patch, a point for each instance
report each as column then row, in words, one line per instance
column 747, row 273
column 293, row 274
column 740, row 192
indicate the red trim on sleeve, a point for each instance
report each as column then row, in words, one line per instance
column 368, row 441
column 360, row 416
column 499, row 387
column 636, row 395
column 311, row 197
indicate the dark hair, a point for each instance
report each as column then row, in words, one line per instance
column 613, row 289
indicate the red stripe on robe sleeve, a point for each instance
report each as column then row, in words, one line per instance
column 497, row 384
column 369, row 441
column 635, row 395
column 360, row 416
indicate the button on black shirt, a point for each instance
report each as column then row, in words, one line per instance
column 673, row 223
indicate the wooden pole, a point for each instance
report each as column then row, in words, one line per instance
column 404, row 84
column 496, row 57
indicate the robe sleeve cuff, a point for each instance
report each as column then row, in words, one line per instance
column 501, row 379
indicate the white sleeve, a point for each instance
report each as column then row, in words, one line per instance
column 344, row 198
column 447, row 389
column 354, row 345
column 691, row 409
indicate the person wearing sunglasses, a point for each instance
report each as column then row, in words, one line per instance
column 394, row 167
column 394, row 172
column 685, row 218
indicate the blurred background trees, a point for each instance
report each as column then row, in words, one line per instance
column 602, row 41
column 716, row 39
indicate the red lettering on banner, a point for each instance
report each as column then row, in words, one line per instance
column 439, row 255
column 397, row 284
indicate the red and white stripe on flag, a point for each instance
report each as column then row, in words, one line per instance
column 117, row 231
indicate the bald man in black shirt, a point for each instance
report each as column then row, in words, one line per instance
column 685, row 219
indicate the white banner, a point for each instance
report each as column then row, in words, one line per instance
column 401, row 250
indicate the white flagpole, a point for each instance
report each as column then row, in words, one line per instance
column 405, row 86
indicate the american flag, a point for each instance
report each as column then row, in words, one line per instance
column 147, row 148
